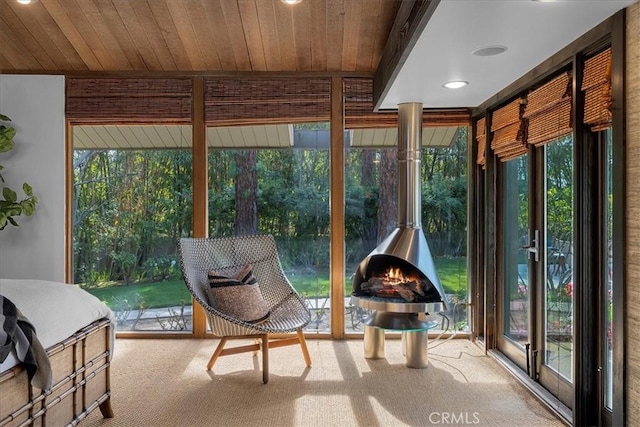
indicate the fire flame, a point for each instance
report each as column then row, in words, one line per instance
column 395, row 275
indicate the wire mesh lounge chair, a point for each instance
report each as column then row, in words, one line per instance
column 288, row 311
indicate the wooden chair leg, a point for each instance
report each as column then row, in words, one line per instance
column 305, row 350
column 216, row 353
column 265, row 358
column 262, row 343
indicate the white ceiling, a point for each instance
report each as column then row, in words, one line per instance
column 531, row 30
column 105, row 137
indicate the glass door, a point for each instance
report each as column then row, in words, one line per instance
column 536, row 296
column 518, row 274
column 555, row 342
column 606, row 296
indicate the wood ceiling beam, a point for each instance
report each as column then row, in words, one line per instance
column 411, row 19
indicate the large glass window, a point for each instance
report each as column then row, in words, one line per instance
column 131, row 203
column 284, row 192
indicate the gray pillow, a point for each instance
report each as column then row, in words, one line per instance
column 238, row 295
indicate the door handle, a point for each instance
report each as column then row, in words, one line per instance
column 534, row 248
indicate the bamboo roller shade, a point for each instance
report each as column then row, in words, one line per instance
column 230, row 102
column 549, row 111
column 359, row 106
column 596, row 85
column 481, row 139
column 129, row 100
column 234, row 102
column 253, row 101
column 509, row 131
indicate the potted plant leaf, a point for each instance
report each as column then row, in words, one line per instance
column 10, row 205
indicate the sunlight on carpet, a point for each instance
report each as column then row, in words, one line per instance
column 165, row 383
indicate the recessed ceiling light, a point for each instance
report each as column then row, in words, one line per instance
column 455, row 84
column 26, row 1
column 490, row 50
column 291, row 1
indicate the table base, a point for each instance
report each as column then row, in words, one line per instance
column 414, row 346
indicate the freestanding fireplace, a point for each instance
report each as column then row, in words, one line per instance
column 398, row 279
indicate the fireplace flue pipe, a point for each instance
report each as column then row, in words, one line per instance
column 409, row 165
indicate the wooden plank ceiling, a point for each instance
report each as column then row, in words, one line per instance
column 76, row 36
column 140, row 38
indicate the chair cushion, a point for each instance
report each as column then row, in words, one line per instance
column 238, row 295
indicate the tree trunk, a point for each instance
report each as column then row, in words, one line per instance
column 369, row 220
column 368, row 167
column 388, row 201
column 246, row 183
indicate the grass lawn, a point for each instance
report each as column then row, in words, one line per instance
column 451, row 271
column 159, row 294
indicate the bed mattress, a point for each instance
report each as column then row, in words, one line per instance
column 56, row 310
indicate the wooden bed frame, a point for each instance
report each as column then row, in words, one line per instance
column 81, row 383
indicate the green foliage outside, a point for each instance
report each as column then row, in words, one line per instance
column 132, row 206
column 558, row 232
column 560, row 190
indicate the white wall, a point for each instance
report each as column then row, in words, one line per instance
column 35, row 105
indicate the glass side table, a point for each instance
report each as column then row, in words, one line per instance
column 414, row 328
